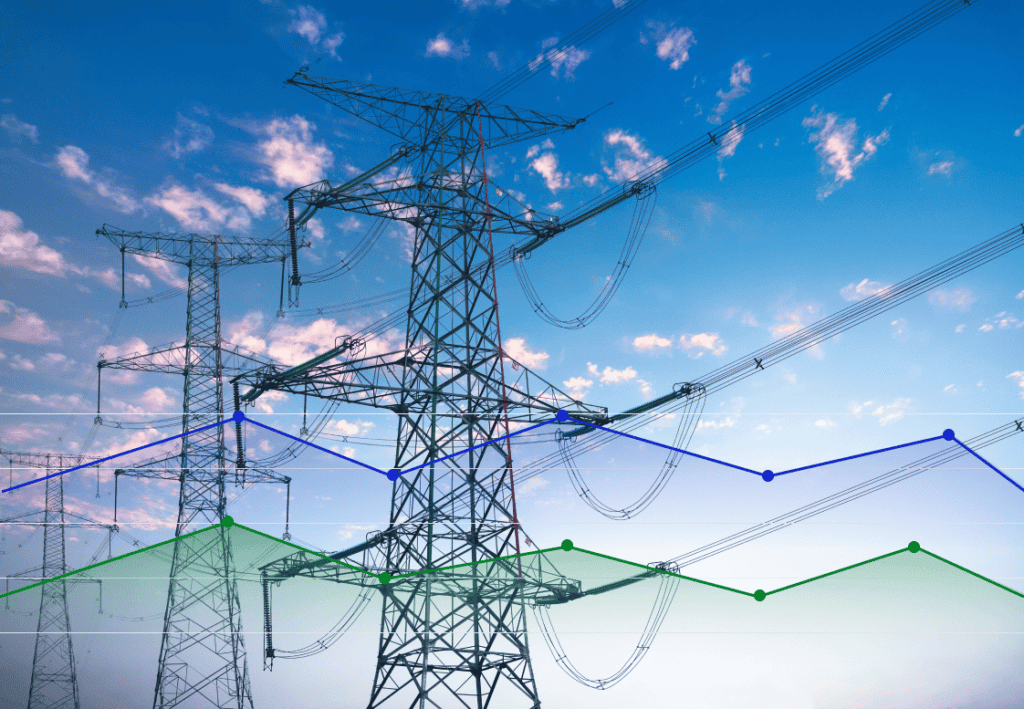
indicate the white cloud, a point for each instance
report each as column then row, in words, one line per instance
column 790, row 320
column 728, row 141
column 554, row 207
column 886, row 413
column 651, row 342
column 631, row 157
column 196, row 211
column 739, row 83
column 900, row 329
column 577, row 387
column 164, row 270
column 1017, row 133
column 441, row 46
column 703, row 342
column 189, row 137
column 672, row 43
column 1017, row 377
column 834, row 142
column 591, row 180
column 546, row 165
column 714, row 424
column 289, row 152
column 950, row 389
column 567, row 59
column 309, row 23
column 957, row 299
column 23, row 325
column 1020, row 295
column 941, row 168
column 612, row 376
column 294, row 344
column 21, row 247
column 253, row 199
column 74, row 163
column 16, row 130
column 885, row 101
column 748, row 319
column 825, row 423
column 531, row 485
column 134, row 346
column 864, row 289
column 1002, row 321
column 959, row 328
column 515, row 347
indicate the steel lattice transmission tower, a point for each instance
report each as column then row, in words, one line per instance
column 202, row 659
column 54, row 684
column 442, row 644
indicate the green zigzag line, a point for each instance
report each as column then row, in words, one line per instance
column 514, row 556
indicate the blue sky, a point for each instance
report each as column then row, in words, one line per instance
column 174, row 117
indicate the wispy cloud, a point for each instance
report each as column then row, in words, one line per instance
column 631, row 157
column 697, row 345
column 289, row 152
column 311, row 24
column 197, row 211
column 864, row 289
column 17, row 130
column 23, row 325
column 189, row 137
column 739, row 84
column 886, row 413
column 23, row 248
column 74, row 164
column 441, row 46
column 646, row 343
column 835, row 142
column 515, row 347
column 957, row 299
column 672, row 44
column 565, row 60
column 1018, row 377
column 885, row 101
column 546, row 165
column 941, row 168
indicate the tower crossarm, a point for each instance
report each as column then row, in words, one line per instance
column 170, row 359
column 379, row 381
column 401, row 199
column 181, row 248
column 405, row 113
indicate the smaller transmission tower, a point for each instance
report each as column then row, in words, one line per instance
column 202, row 660
column 54, row 684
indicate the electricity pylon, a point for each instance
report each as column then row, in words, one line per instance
column 54, row 684
column 202, row 660
column 442, row 644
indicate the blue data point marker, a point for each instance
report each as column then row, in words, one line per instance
column 767, row 476
column 562, row 416
column 238, row 416
column 394, row 474
column 948, row 434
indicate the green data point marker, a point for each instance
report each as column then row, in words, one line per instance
column 914, row 547
column 385, row 578
column 567, row 545
column 227, row 521
column 759, row 595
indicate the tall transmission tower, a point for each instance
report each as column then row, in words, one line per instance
column 202, row 660
column 441, row 644
column 54, row 684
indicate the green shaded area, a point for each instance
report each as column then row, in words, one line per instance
column 539, row 565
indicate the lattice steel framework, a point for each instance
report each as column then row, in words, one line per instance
column 54, row 685
column 442, row 644
column 202, row 660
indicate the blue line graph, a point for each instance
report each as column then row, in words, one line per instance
column 561, row 417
